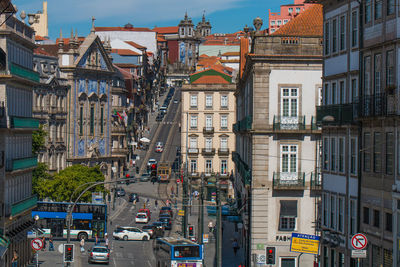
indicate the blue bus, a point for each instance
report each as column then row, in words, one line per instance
column 178, row 252
column 88, row 220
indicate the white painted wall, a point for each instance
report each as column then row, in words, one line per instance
column 147, row 39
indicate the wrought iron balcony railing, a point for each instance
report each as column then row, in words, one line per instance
column 289, row 123
column 289, row 180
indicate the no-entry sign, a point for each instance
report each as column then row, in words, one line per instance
column 359, row 241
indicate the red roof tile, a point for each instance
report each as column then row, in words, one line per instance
column 125, row 52
column 42, row 51
column 49, row 49
column 66, row 40
column 307, row 24
column 138, row 46
column 210, row 79
column 160, row 38
column 126, row 29
column 167, row 30
column 126, row 65
column 231, row 53
column 40, row 38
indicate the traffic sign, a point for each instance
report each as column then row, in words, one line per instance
column 181, row 213
column 205, row 238
column 178, row 181
column 37, row 244
column 358, row 253
column 359, row 241
column 304, row 243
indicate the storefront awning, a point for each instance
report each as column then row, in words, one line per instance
column 4, row 242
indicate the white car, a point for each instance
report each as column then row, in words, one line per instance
column 151, row 162
column 141, row 218
column 130, row 233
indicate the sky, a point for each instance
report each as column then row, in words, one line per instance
column 226, row 16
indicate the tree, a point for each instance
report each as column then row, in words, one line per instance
column 38, row 139
column 64, row 183
column 40, row 178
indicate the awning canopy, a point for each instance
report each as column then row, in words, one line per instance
column 288, row 208
column 144, row 140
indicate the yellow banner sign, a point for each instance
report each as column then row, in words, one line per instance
column 304, row 243
column 181, row 213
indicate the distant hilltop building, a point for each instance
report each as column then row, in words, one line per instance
column 39, row 21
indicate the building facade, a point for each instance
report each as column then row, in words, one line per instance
column 277, row 181
column 207, row 139
column 17, row 80
column 50, row 108
column 40, row 22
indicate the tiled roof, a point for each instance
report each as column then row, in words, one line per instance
column 40, row 50
column 126, row 29
column 66, row 40
column 167, row 30
column 160, row 38
column 210, row 79
column 50, row 49
column 40, row 38
column 138, row 46
column 208, row 61
column 307, row 24
column 125, row 52
column 126, row 65
column 231, row 54
column 125, row 73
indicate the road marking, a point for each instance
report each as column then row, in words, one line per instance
column 149, row 263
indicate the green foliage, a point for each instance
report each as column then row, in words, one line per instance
column 63, row 184
column 38, row 139
column 40, row 176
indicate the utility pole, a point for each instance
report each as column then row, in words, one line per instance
column 185, row 181
column 218, row 226
column 201, row 211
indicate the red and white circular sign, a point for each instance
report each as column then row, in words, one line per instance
column 178, row 181
column 359, row 241
column 37, row 244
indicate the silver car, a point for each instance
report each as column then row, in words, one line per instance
column 99, row 254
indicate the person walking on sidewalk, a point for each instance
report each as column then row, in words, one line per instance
column 156, row 204
column 106, row 240
column 210, row 226
column 51, row 244
column 14, row 260
column 235, row 246
column 82, row 245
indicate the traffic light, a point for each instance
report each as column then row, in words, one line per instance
column 68, row 253
column 127, row 176
column 191, row 230
column 270, row 255
column 153, row 170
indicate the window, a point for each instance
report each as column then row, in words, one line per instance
column 193, row 101
column 334, row 35
column 333, row 154
column 367, row 152
column 353, row 156
column 377, row 73
column 326, row 154
column 208, row 166
column 334, row 94
column 91, row 120
column 193, row 142
column 341, row 259
column 367, row 11
column 377, row 218
column 342, row 94
column 326, row 257
column 285, row 21
column 182, row 31
column 353, row 217
column 224, row 143
column 193, row 121
column 208, row 143
column 390, row 7
column 326, row 94
column 333, row 212
column 289, row 158
column 288, row 262
column 289, row 102
column 390, row 68
column 342, row 34
column 325, row 201
column 290, row 10
column 388, row 222
column 354, row 90
column 367, row 66
column 193, row 165
column 224, row 121
column 389, row 153
column 224, row 101
column 327, row 40
column 378, row 9
column 279, row 22
column 209, row 101
column 224, row 166
column 341, row 154
column 354, row 28
column 377, row 152
column 341, row 214
column 209, row 122
column 101, row 120
column 81, row 121
column 297, row 10
column 366, row 215
column 288, row 215
column 272, row 22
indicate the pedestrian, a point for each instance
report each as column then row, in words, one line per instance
column 156, row 204
column 14, row 260
column 210, row 226
column 82, row 245
column 235, row 246
column 44, row 243
column 51, row 244
column 106, row 237
column 97, row 240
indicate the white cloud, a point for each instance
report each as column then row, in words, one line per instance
column 137, row 12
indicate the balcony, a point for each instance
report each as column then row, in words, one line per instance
column 284, row 123
column 208, row 130
column 23, row 72
column 193, row 151
column 24, row 123
column 378, row 105
column 223, row 151
column 243, row 168
column 316, row 181
column 24, row 205
column 208, row 151
column 243, row 125
column 20, row 164
column 289, row 181
column 341, row 114
column 194, row 175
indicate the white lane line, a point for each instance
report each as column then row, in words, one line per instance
column 149, row 263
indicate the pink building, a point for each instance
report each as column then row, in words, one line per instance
column 288, row 12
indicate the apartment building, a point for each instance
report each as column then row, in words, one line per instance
column 17, row 80
column 277, row 181
column 208, row 113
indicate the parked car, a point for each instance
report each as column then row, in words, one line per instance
column 159, row 147
column 99, row 254
column 130, row 233
column 147, row 211
column 167, row 222
column 132, row 197
column 159, row 225
column 168, row 209
column 141, row 218
column 120, row 192
column 164, row 215
column 145, row 177
column 149, row 229
column 159, row 117
column 176, row 101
